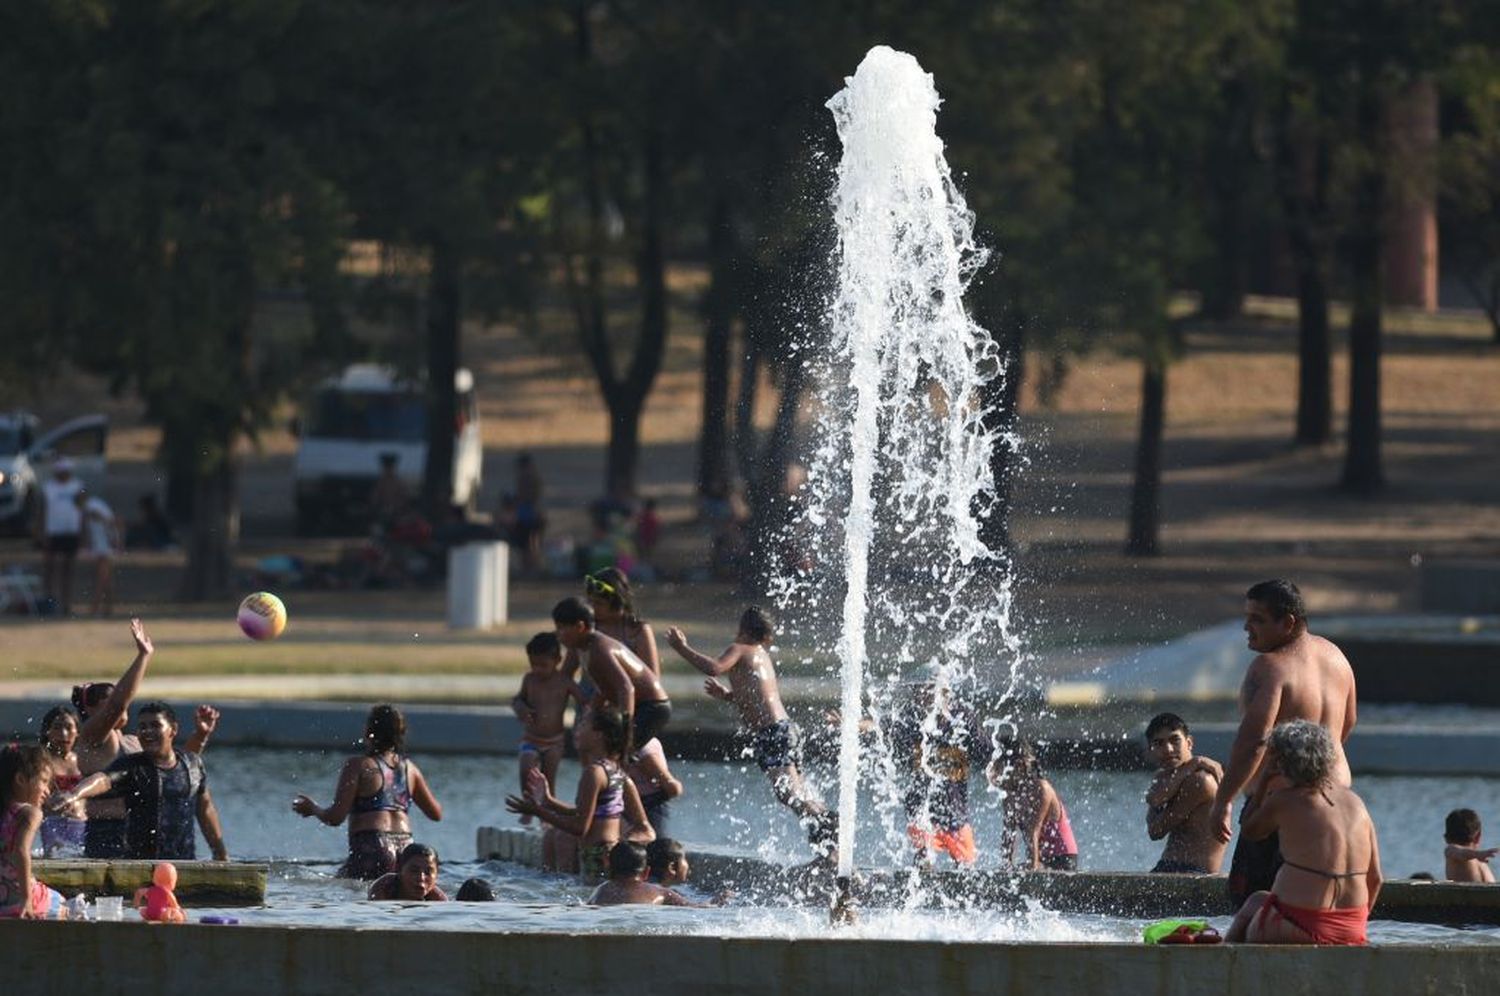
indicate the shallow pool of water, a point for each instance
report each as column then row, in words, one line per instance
column 731, row 804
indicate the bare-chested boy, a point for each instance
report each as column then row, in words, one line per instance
column 1296, row 675
column 540, row 705
column 1463, row 859
column 774, row 739
column 1180, row 799
column 627, row 883
column 615, row 674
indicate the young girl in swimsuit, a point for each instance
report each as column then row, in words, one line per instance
column 375, row 791
column 62, row 832
column 414, row 880
column 608, row 594
column 605, row 796
column 25, row 776
column 1034, row 811
column 1330, row 872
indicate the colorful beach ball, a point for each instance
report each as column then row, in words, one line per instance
column 262, row 616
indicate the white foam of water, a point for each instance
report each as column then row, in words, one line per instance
column 902, row 475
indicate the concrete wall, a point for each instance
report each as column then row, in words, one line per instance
column 1129, row 894
column 120, row 957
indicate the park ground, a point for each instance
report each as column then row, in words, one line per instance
column 1239, row 502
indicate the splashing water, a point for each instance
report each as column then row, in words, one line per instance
column 901, row 479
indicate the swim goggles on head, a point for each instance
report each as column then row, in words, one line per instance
column 593, row 584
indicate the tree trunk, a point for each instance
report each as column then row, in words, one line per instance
column 713, row 457
column 771, row 506
column 1145, row 496
column 1362, row 464
column 215, row 530
column 179, row 456
column 1002, row 406
column 444, row 306
column 1232, row 157
column 1303, row 166
column 746, row 445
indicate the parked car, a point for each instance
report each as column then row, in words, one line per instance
column 25, row 454
column 351, row 421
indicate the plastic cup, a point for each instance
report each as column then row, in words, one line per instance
column 110, row 908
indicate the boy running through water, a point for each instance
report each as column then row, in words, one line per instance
column 774, row 739
column 1179, row 803
column 540, row 704
column 937, row 733
column 1463, row 859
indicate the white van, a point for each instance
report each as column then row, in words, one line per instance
column 352, row 420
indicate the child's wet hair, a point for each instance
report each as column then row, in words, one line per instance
column 26, row 761
column 412, row 852
column 544, row 646
column 571, row 611
column 613, row 585
column 626, row 858
column 660, row 854
column 1462, row 826
column 756, row 623
column 475, row 890
column 611, row 725
column 385, row 729
column 1166, row 722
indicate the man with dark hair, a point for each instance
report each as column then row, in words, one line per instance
column 774, row 739
column 164, row 790
column 1295, row 675
column 615, row 673
column 1180, row 799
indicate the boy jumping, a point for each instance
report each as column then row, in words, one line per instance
column 774, row 739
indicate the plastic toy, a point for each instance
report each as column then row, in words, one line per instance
column 1181, row 932
column 160, row 904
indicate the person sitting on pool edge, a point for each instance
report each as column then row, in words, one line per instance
column 375, row 792
column 1180, row 800
column 627, row 883
column 1330, row 873
column 414, row 880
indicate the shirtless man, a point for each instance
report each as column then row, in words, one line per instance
column 774, row 739
column 1296, row 675
column 618, row 676
column 1180, row 799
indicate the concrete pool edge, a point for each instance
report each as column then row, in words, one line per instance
column 58, row 957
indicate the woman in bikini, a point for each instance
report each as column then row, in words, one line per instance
column 375, row 791
column 606, row 797
column 1330, row 872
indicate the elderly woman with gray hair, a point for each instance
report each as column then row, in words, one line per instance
column 1330, row 874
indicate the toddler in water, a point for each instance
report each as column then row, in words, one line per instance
column 540, row 704
column 25, row 777
column 1464, row 860
column 1034, row 811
